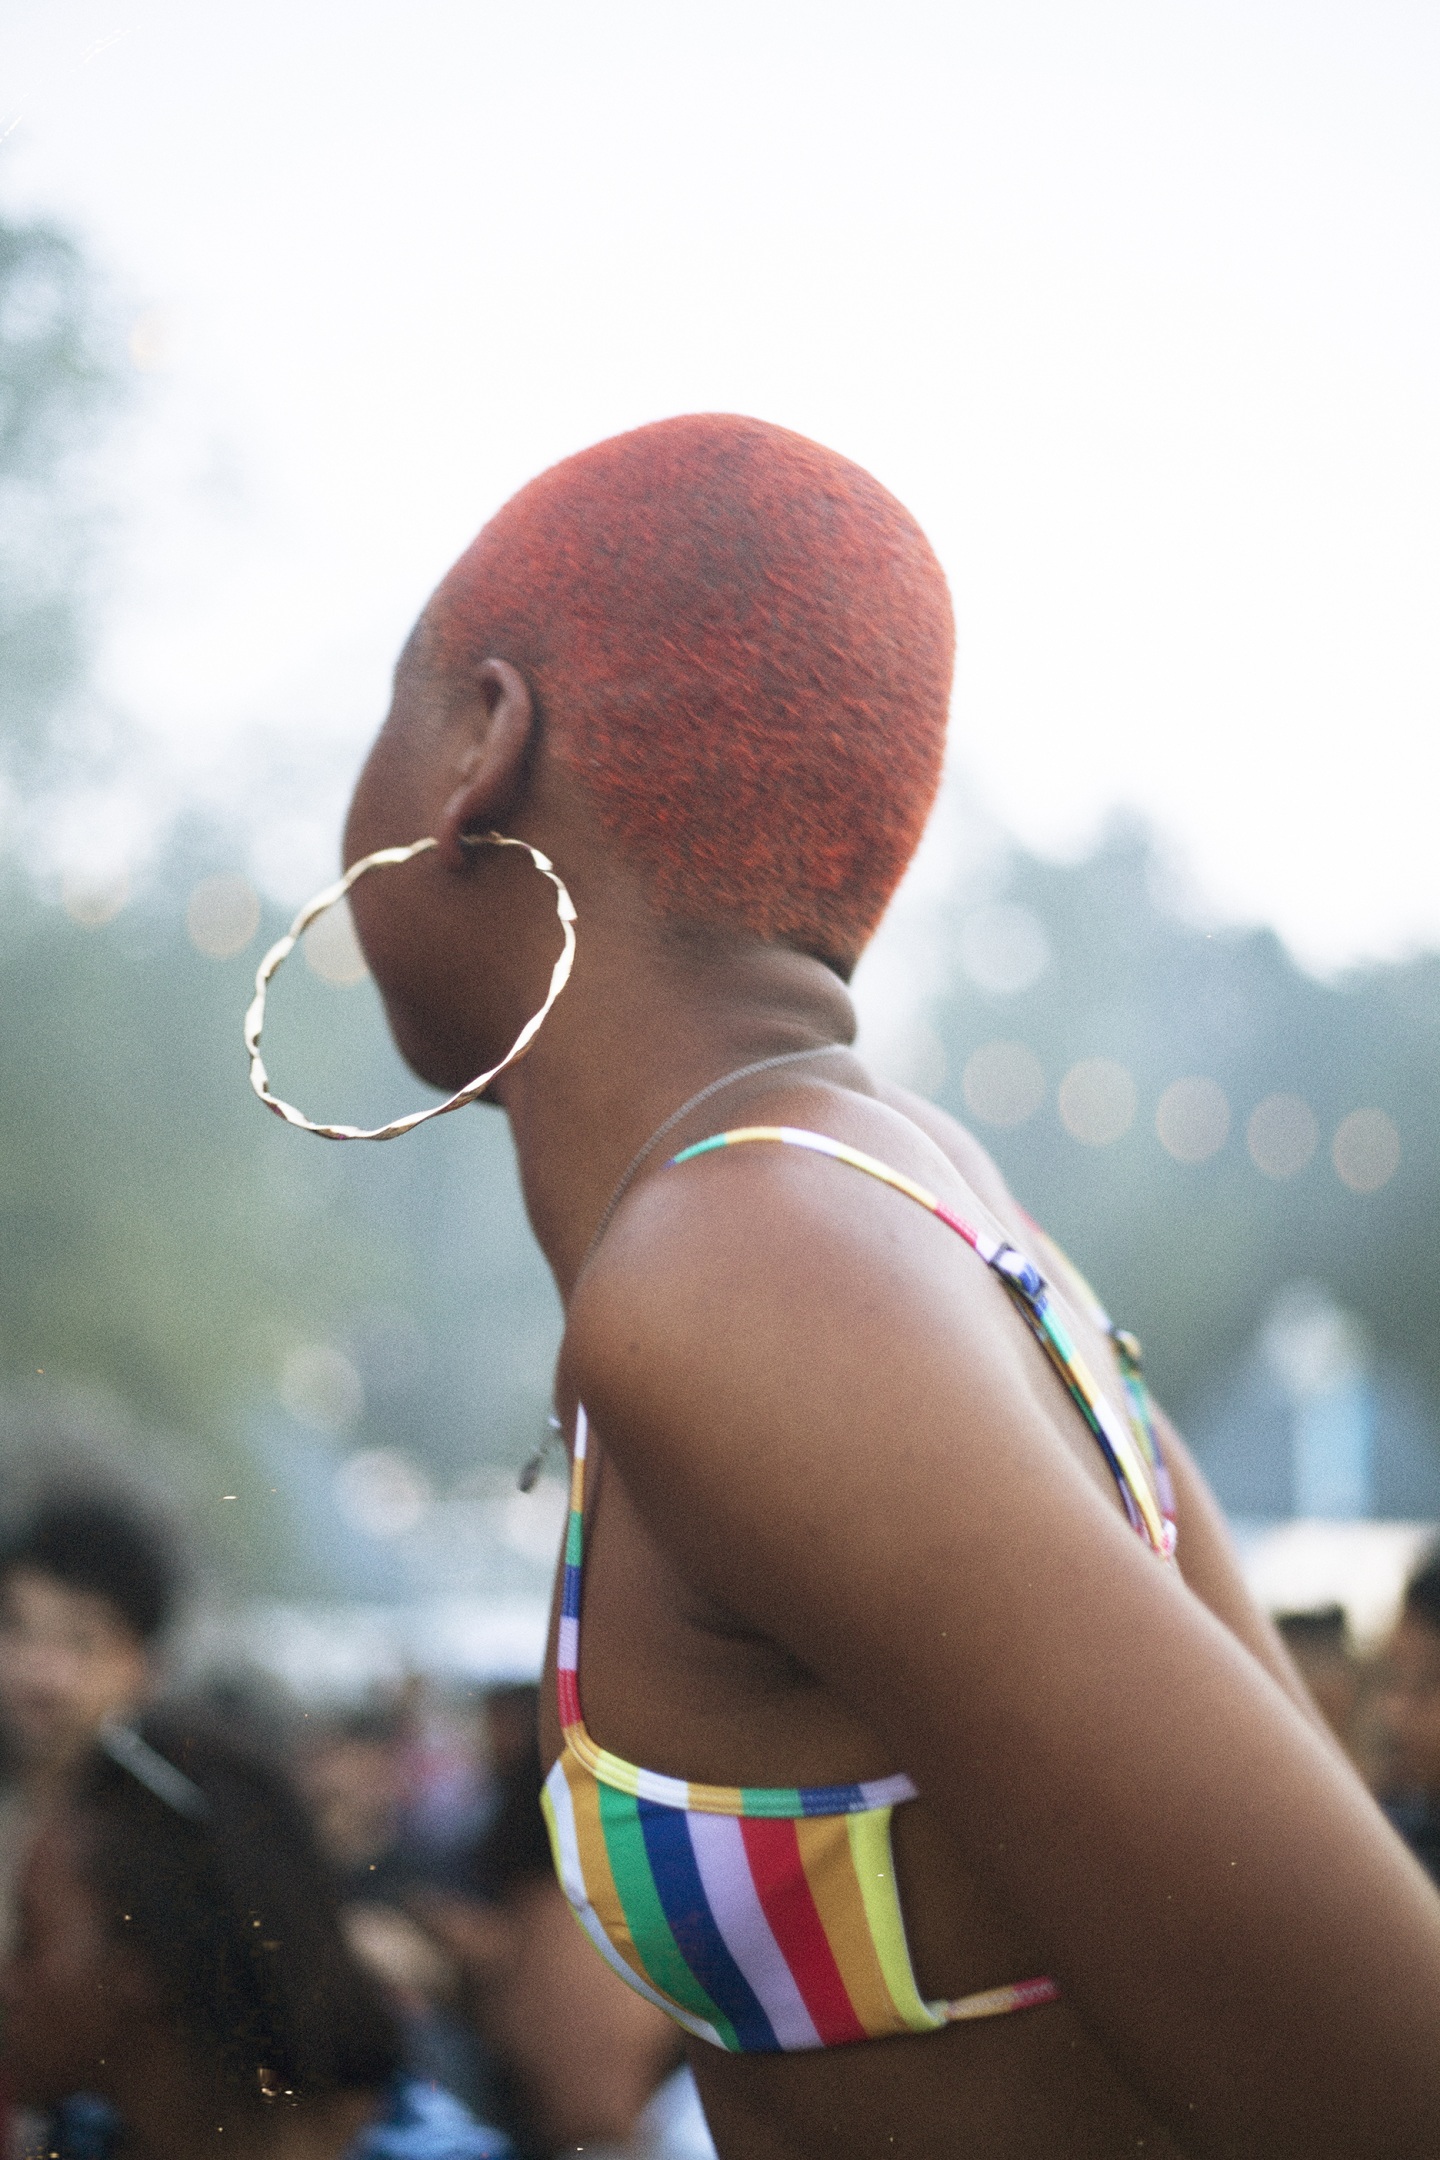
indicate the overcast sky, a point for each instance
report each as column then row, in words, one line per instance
column 1134, row 302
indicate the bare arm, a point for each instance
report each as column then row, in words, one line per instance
column 835, row 1430
column 1207, row 1555
column 1211, row 1566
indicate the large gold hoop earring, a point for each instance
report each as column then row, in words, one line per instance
column 283, row 947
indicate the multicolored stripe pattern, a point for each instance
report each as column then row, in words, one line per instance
column 766, row 1918
column 759, row 1917
column 1131, row 1448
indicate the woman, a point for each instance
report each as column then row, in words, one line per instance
column 180, row 1984
column 866, row 1575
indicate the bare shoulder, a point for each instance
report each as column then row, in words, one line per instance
column 763, row 1322
column 954, row 1141
column 777, row 1349
column 738, row 1235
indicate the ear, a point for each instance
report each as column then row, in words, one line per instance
column 499, row 726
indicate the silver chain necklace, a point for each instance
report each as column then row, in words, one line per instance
column 637, row 1161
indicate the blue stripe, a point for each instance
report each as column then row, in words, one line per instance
column 681, row 1892
column 570, row 1595
column 832, row 1800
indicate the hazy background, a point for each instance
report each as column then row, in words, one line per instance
column 1136, row 307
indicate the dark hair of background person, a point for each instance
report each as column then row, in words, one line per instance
column 515, row 1846
column 236, row 1917
column 104, row 1545
column 1422, row 1593
column 1324, row 1630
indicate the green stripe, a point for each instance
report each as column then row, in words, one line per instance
column 773, row 1800
column 574, row 1539
column 650, row 1932
column 701, row 1147
column 1056, row 1339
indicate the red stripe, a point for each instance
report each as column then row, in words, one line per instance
column 569, row 1695
column 773, row 1850
column 955, row 1223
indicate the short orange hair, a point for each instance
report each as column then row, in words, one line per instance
column 742, row 645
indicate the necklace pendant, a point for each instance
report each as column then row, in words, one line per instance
column 529, row 1476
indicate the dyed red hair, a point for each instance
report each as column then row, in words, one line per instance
column 742, row 646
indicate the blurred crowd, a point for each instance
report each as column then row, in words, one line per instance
column 233, row 1920
column 291, row 1930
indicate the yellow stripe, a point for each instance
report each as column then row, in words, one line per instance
column 993, row 2002
column 599, row 1878
column 624, row 1777
column 839, row 1152
column 825, row 1851
column 875, row 1872
column 716, row 1799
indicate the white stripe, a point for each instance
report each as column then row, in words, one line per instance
column 567, row 1646
column 666, row 1791
column 889, row 1791
column 746, row 1933
column 1126, row 1451
column 818, row 1143
column 582, row 1429
column 572, row 1882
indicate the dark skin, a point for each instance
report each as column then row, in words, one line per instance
column 849, row 1522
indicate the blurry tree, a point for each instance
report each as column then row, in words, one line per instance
column 283, row 1302
column 59, row 379
column 202, row 1278
column 280, row 1300
column 1088, row 962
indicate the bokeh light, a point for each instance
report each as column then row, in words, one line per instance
column 1003, row 1083
column 222, row 916
column 151, row 343
column 1004, row 949
column 1282, row 1135
column 332, row 949
column 1365, row 1150
column 382, row 1492
column 320, row 1387
column 93, row 898
column 1192, row 1119
column 1097, row 1101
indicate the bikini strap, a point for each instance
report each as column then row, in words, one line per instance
column 567, row 1647
column 1133, row 1455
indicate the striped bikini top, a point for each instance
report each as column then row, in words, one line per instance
column 766, row 1918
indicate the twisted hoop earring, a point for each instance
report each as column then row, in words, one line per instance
column 283, row 947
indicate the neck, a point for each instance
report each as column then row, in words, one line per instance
column 627, row 1044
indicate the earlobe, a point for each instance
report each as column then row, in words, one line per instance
column 502, row 726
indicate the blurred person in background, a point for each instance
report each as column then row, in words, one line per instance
column 356, row 1770
column 578, row 2061
column 88, row 1587
column 1319, row 1642
column 1408, row 1711
column 180, row 1983
column 352, row 1769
